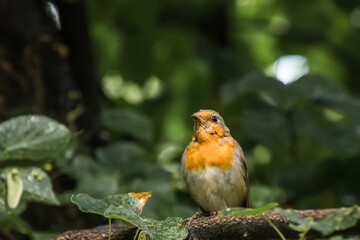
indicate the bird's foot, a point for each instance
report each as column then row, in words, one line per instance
column 213, row 214
column 199, row 215
column 209, row 214
column 194, row 217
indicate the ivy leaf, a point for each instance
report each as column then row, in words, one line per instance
column 88, row 204
column 33, row 137
column 33, row 182
column 231, row 212
column 128, row 208
column 128, row 215
column 170, row 228
column 37, row 185
column 101, row 206
column 344, row 219
column 294, row 216
column 341, row 220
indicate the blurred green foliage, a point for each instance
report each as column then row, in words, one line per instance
column 300, row 138
column 160, row 61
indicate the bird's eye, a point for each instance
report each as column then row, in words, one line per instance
column 214, row 119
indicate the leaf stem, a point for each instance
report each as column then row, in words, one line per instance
column 137, row 234
column 302, row 235
column 273, row 225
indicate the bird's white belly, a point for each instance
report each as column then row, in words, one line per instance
column 214, row 189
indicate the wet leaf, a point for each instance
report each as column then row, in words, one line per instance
column 36, row 184
column 231, row 212
column 294, row 216
column 343, row 219
column 143, row 197
column 127, row 208
column 100, row 206
column 32, row 137
column 170, row 228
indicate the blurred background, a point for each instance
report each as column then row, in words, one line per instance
column 127, row 75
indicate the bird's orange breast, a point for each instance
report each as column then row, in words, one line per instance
column 212, row 154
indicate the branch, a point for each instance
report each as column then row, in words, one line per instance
column 213, row 227
column 118, row 232
column 256, row 227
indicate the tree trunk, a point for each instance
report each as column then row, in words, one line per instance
column 44, row 69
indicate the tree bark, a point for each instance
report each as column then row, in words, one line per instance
column 213, row 227
column 47, row 70
column 118, row 232
column 75, row 32
column 34, row 71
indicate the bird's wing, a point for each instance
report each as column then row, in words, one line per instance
column 246, row 180
column 244, row 174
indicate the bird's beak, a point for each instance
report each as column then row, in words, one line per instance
column 195, row 117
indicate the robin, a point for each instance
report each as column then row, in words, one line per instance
column 213, row 165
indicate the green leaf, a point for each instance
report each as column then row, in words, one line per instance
column 299, row 228
column 142, row 236
column 126, row 207
column 118, row 206
column 343, row 219
column 101, row 206
column 170, row 228
column 128, row 214
column 14, row 188
column 128, row 122
column 231, row 212
column 4, row 206
column 36, row 184
column 294, row 216
column 33, row 137
column 88, row 204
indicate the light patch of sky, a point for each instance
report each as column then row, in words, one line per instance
column 289, row 68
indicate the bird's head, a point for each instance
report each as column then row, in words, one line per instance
column 208, row 125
